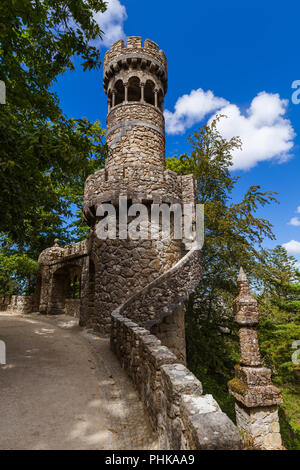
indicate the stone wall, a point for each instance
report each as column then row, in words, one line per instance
column 134, row 43
column 171, row 332
column 72, row 307
column 16, row 303
column 161, row 297
column 4, row 302
column 123, row 267
column 136, row 133
column 123, row 113
column 171, row 394
column 260, row 425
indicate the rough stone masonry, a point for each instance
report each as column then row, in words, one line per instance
column 135, row 290
column 135, row 79
column 256, row 397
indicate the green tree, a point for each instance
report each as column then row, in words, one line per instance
column 41, row 150
column 280, row 285
column 17, row 273
column 233, row 237
column 38, row 42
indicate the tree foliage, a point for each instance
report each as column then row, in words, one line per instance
column 234, row 237
column 41, row 149
column 280, row 280
column 233, row 232
column 38, row 42
column 16, row 273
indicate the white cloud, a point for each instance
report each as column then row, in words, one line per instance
column 190, row 109
column 111, row 22
column 265, row 133
column 298, row 209
column 292, row 247
column 295, row 221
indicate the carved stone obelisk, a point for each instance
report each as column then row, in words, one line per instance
column 256, row 397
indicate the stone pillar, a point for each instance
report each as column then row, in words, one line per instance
column 142, row 92
column 156, row 98
column 113, row 99
column 256, row 397
column 126, row 92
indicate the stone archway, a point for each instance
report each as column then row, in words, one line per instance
column 66, row 285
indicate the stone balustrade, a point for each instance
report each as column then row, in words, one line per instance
column 166, row 293
column 171, row 394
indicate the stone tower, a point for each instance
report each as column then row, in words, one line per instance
column 135, row 79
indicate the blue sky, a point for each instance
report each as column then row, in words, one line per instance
column 238, row 58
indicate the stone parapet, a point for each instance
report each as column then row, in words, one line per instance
column 148, row 180
column 134, row 44
column 148, row 58
column 171, row 394
column 140, row 184
column 160, row 305
column 57, row 254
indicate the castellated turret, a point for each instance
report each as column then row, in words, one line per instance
column 112, row 269
column 135, row 81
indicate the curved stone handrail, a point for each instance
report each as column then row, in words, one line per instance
column 166, row 293
column 172, row 396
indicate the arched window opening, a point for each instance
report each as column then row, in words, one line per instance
column 149, row 92
column 134, row 89
column 74, row 288
column 160, row 100
column 65, row 285
column 120, row 92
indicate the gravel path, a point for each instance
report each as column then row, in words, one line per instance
column 62, row 388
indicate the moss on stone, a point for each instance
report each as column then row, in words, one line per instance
column 236, row 386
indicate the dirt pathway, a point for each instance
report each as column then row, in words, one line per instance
column 62, row 388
